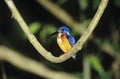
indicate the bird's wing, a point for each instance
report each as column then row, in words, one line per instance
column 71, row 39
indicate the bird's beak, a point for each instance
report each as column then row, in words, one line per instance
column 54, row 33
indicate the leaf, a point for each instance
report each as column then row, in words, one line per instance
column 61, row 2
column 34, row 27
column 83, row 4
column 96, row 65
column 45, row 32
column 95, row 4
column 86, row 22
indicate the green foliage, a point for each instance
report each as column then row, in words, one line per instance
column 115, row 46
column 86, row 22
column 83, row 4
column 95, row 4
column 61, row 2
column 45, row 32
column 34, row 27
column 96, row 64
column 117, row 2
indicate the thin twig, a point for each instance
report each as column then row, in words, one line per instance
column 41, row 49
column 86, row 68
column 31, row 65
column 4, row 75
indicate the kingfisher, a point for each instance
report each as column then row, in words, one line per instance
column 65, row 40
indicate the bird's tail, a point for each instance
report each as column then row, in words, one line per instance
column 74, row 56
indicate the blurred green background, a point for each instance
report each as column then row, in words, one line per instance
column 102, row 50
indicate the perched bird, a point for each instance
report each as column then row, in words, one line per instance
column 65, row 40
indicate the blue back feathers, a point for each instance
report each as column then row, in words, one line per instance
column 71, row 39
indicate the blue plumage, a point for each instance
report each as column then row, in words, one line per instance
column 64, row 29
column 71, row 39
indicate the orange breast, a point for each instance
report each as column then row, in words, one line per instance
column 64, row 44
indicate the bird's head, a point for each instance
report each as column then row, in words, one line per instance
column 64, row 30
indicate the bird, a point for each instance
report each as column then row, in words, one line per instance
column 65, row 40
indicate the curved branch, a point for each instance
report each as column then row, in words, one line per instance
column 41, row 49
column 33, row 66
